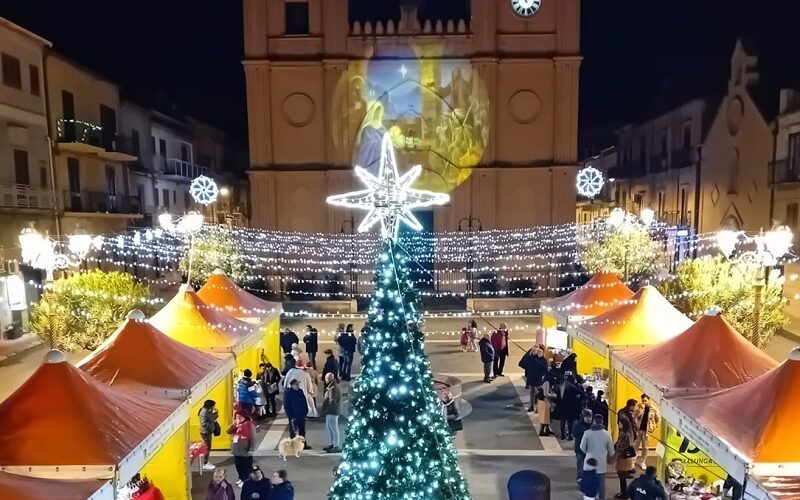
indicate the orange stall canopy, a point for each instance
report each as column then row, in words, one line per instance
column 189, row 320
column 220, row 291
column 61, row 416
column 600, row 294
column 16, row 487
column 709, row 355
column 756, row 422
column 647, row 318
column 139, row 356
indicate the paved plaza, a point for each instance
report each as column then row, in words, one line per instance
column 499, row 436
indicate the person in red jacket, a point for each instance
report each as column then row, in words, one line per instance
column 500, row 344
column 244, row 433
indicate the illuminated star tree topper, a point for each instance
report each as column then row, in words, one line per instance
column 389, row 197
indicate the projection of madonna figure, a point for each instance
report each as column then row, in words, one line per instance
column 357, row 108
column 369, row 139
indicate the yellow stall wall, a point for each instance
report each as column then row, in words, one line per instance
column 619, row 393
column 271, row 348
column 168, row 469
column 588, row 359
column 249, row 358
column 696, row 463
column 549, row 321
column 222, row 393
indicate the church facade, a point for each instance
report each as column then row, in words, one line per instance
column 483, row 94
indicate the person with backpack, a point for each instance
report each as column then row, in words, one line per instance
column 246, row 392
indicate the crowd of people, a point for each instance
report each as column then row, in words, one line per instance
column 256, row 400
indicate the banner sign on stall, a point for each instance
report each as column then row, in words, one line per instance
column 696, row 463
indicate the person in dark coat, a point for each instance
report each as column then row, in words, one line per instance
column 282, row 489
column 288, row 363
column 487, row 356
column 269, row 377
column 500, row 344
column 646, row 487
column 257, row 487
column 331, row 365
column 600, row 407
column 296, row 407
column 311, row 339
column 568, row 405
column 219, row 488
column 288, row 339
column 580, row 426
column 535, row 367
column 347, row 346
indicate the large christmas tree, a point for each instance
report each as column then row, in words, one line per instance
column 398, row 444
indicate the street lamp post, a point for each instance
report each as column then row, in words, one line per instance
column 351, row 223
column 770, row 246
column 471, row 228
column 188, row 224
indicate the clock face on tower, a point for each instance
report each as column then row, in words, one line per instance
column 526, row 7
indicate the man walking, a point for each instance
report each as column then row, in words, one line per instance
column 647, row 419
column 296, row 406
column 487, row 356
column 500, row 344
column 579, row 428
column 596, row 443
column 311, row 339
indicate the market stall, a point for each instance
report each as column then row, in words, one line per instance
column 600, row 294
column 648, row 318
column 749, row 430
column 710, row 355
column 63, row 424
column 189, row 320
column 16, row 487
column 141, row 359
column 764, row 446
column 220, row 291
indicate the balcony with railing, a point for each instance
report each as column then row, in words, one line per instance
column 100, row 202
column 77, row 136
column 676, row 218
column 785, row 171
column 180, row 168
column 20, row 196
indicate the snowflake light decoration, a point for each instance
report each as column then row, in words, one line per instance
column 204, row 190
column 589, row 182
column 388, row 198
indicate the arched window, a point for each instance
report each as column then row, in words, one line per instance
column 733, row 172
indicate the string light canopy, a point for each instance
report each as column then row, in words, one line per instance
column 388, row 198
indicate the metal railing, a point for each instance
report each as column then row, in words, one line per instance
column 100, row 202
column 180, row 168
column 21, row 196
column 676, row 218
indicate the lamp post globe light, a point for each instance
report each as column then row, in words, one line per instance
column 80, row 242
column 189, row 224
column 648, row 215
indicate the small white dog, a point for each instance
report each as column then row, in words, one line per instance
column 291, row 447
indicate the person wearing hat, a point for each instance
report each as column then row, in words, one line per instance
column 580, row 426
column 331, row 365
column 257, row 487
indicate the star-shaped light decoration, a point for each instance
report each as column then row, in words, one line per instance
column 388, row 197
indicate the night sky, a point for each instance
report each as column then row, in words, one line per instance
column 638, row 54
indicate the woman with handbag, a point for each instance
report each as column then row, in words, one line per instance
column 269, row 377
column 624, row 459
column 209, row 427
